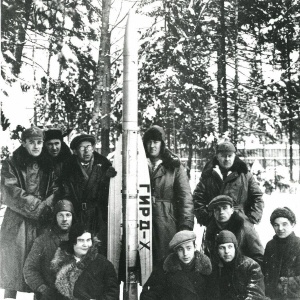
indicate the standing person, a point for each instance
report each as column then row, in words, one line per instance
column 182, row 275
column 281, row 265
column 37, row 271
column 234, row 276
column 27, row 187
column 225, row 217
column 228, row 175
column 57, row 149
column 85, row 181
column 172, row 204
column 81, row 272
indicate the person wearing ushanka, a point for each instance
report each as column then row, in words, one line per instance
column 57, row 149
column 81, row 272
column 172, row 204
column 182, row 275
column 27, row 189
column 85, row 181
column 234, row 276
column 281, row 265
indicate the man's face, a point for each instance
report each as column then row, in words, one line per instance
column 283, row 227
column 226, row 252
column 33, row 146
column 186, row 252
column 85, row 151
column 53, row 147
column 64, row 220
column 84, row 242
column 223, row 212
column 226, row 159
column 153, row 148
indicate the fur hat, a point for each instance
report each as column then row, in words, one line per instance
column 53, row 134
column 283, row 212
column 226, row 236
column 32, row 133
column 81, row 138
column 155, row 133
column 63, row 205
column 181, row 237
column 226, row 147
column 221, row 199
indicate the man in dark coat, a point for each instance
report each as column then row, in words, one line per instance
column 281, row 265
column 225, row 217
column 182, row 275
column 57, row 149
column 172, row 204
column 234, row 276
column 228, row 175
column 37, row 271
column 27, row 187
column 85, row 181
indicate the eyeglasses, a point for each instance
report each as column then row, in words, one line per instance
column 88, row 148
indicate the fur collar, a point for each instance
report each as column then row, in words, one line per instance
column 234, row 225
column 238, row 166
column 202, row 263
column 23, row 159
column 170, row 160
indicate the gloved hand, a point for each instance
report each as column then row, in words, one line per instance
column 111, row 172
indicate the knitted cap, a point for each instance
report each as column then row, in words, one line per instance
column 283, row 212
column 32, row 133
column 181, row 237
column 63, row 205
column 226, row 147
column 226, row 236
column 155, row 133
column 221, row 199
column 53, row 134
column 81, row 138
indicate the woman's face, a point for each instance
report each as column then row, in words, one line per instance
column 84, row 242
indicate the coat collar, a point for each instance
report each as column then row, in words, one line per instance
column 202, row 263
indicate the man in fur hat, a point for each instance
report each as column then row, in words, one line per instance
column 172, row 204
column 182, row 275
column 228, row 175
column 27, row 186
column 57, row 149
column 37, row 272
column 281, row 265
column 85, row 181
column 234, row 276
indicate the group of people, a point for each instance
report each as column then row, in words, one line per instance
column 54, row 232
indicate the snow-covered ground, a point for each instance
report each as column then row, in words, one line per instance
column 264, row 229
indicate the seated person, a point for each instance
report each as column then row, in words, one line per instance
column 281, row 265
column 81, row 272
column 182, row 275
column 234, row 276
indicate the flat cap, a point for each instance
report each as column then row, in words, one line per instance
column 53, row 134
column 32, row 133
column 81, row 138
column 221, row 199
column 226, row 236
column 226, row 147
column 181, row 237
column 283, row 212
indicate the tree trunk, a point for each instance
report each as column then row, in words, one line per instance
column 103, row 94
column 23, row 23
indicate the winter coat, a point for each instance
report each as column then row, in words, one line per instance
column 64, row 154
column 240, row 185
column 245, row 281
column 169, row 280
column 93, row 277
column 22, row 219
column 89, row 197
column 248, row 240
column 37, row 271
column 172, row 204
column 282, row 263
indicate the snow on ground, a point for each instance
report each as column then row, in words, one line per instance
column 264, row 229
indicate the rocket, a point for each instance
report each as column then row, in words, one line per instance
column 129, row 209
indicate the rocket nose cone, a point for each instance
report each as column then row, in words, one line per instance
column 130, row 39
